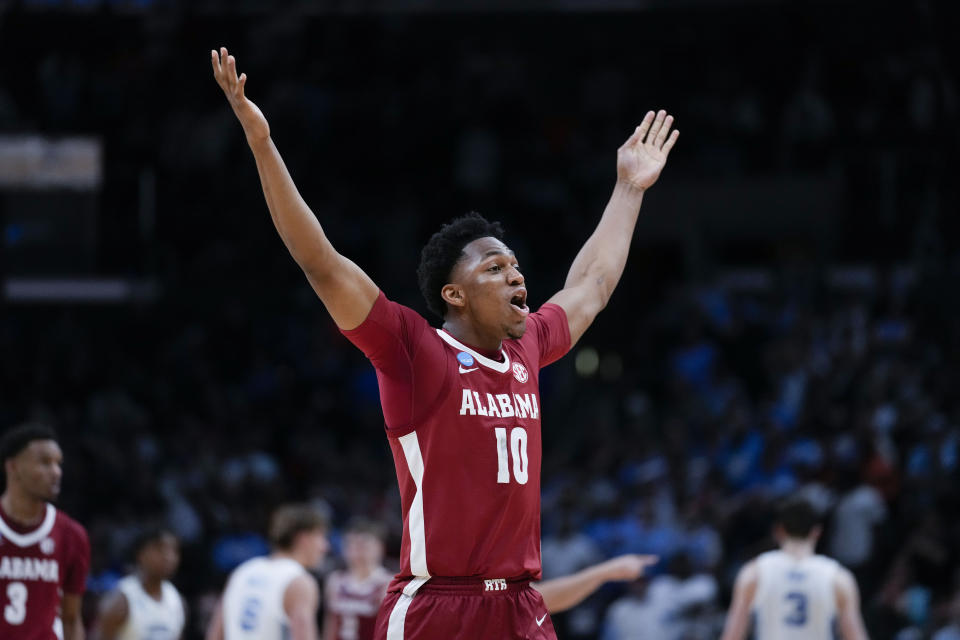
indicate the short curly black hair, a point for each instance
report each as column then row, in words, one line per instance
column 19, row 438
column 445, row 248
column 148, row 536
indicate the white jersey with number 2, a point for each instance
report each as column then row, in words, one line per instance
column 796, row 597
column 253, row 599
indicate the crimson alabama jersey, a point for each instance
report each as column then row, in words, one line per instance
column 36, row 566
column 352, row 605
column 464, row 428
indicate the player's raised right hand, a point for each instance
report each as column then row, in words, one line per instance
column 254, row 123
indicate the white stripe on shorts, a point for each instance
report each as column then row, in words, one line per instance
column 398, row 617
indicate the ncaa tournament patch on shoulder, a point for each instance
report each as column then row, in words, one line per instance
column 465, row 359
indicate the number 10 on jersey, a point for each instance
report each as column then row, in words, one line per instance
column 518, row 447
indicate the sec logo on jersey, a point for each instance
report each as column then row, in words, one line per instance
column 520, row 372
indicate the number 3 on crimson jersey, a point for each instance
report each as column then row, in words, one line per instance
column 518, row 447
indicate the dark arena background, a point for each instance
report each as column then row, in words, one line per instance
column 787, row 321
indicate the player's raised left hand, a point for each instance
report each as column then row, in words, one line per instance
column 642, row 156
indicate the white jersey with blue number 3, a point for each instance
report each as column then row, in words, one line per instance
column 796, row 597
column 253, row 599
column 148, row 618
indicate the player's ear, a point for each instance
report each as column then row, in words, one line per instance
column 453, row 295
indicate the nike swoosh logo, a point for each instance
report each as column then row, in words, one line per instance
column 462, row 370
column 540, row 620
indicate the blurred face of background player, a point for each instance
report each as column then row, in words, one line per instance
column 310, row 547
column 362, row 551
column 488, row 288
column 160, row 558
column 36, row 471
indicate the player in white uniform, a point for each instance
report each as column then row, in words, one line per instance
column 275, row 597
column 793, row 593
column 145, row 605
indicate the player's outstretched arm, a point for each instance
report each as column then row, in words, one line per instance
column 346, row 291
column 112, row 614
column 744, row 590
column 848, row 605
column 300, row 602
column 560, row 594
column 598, row 266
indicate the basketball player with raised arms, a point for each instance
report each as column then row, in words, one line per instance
column 44, row 554
column 461, row 402
column 794, row 593
column 276, row 597
column 145, row 605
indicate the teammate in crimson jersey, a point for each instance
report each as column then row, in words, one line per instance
column 44, row 554
column 461, row 403
column 352, row 596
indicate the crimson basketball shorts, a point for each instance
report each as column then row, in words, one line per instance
column 465, row 609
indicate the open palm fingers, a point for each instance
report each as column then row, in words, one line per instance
column 664, row 139
column 660, row 139
column 662, row 133
column 225, row 71
column 672, row 140
column 641, row 130
column 654, row 133
column 655, row 127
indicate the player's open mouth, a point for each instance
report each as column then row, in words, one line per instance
column 519, row 301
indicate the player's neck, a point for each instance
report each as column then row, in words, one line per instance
column 152, row 585
column 471, row 336
column 797, row 548
column 291, row 555
column 23, row 509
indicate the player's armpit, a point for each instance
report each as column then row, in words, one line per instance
column 112, row 613
column 300, row 602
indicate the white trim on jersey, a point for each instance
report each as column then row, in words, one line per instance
column 35, row 536
column 398, row 617
column 499, row 367
column 414, row 585
column 418, row 537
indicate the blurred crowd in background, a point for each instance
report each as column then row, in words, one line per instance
column 723, row 376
